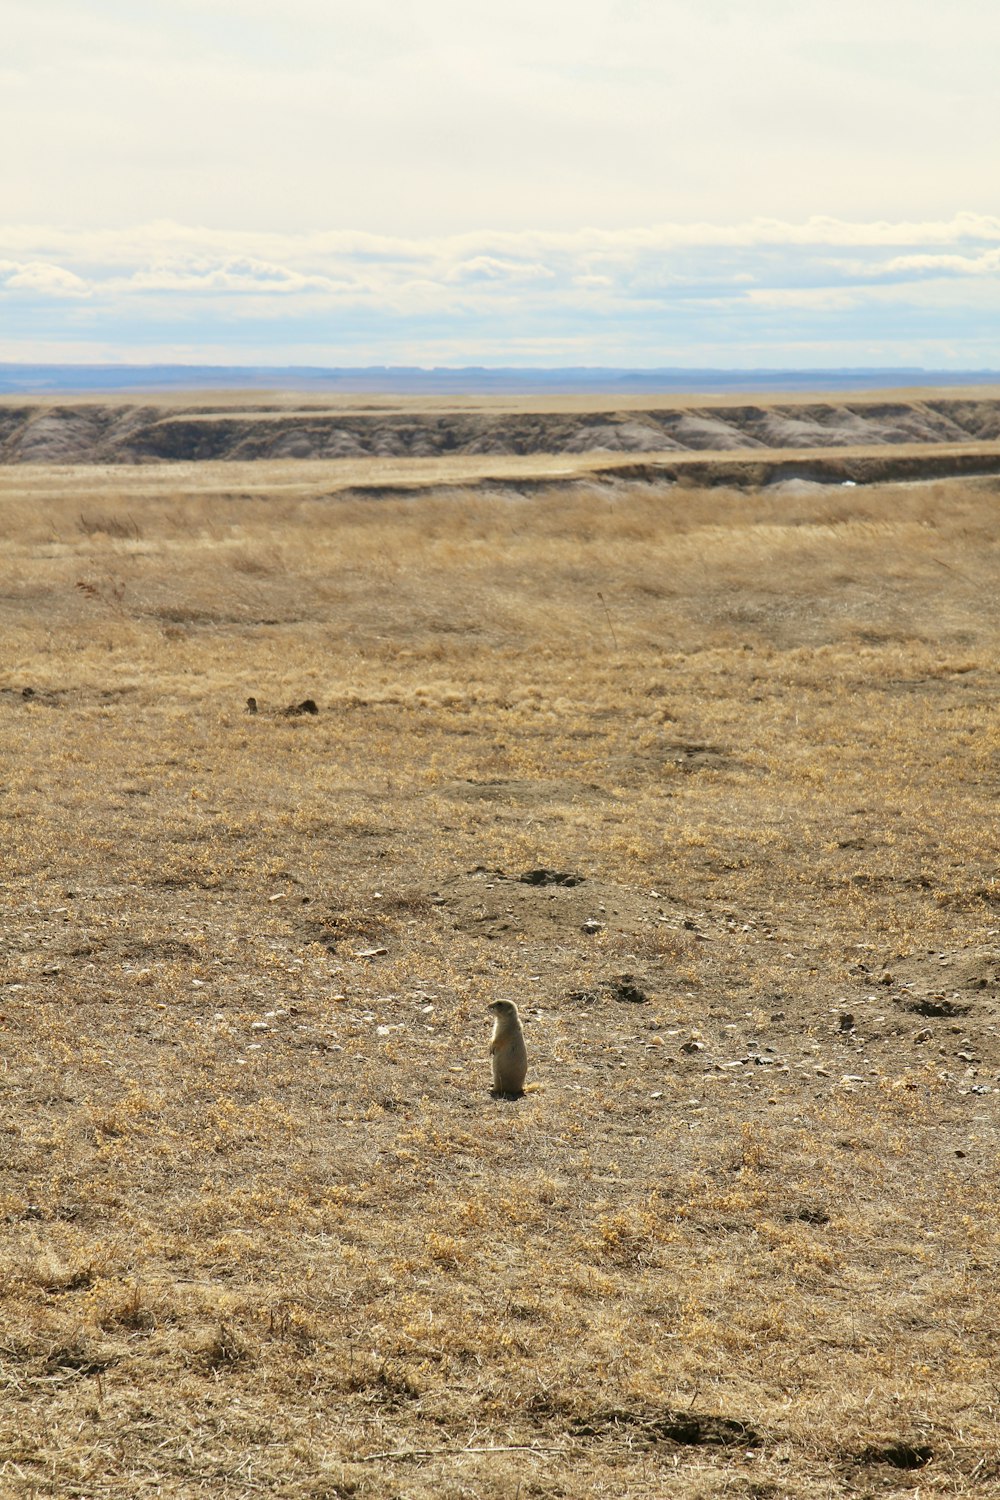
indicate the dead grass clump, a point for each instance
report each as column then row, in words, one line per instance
column 77, row 1355
column 334, row 925
column 224, row 1349
column 657, row 942
column 255, row 563
column 407, row 905
column 108, row 592
column 290, row 1322
column 117, row 526
column 631, row 1236
column 132, row 1311
column 56, row 1276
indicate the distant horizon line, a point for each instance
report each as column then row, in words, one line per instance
column 57, row 377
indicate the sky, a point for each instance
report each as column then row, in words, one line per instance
column 636, row 183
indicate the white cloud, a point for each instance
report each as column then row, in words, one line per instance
column 647, row 295
column 987, row 264
column 531, row 253
column 488, row 269
column 813, row 299
column 239, row 274
column 43, row 279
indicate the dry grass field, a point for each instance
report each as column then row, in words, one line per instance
column 265, row 1230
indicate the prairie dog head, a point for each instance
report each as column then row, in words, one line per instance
column 506, row 1012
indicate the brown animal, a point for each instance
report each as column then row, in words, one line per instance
column 507, row 1049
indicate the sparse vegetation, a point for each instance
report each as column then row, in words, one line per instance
column 266, row 1232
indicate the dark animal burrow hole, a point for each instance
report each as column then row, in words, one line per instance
column 935, row 1007
column 899, row 1455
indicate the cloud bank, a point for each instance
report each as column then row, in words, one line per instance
column 760, row 291
column 630, row 182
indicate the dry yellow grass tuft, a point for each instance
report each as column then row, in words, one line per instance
column 706, row 781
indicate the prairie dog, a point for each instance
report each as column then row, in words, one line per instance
column 507, row 1049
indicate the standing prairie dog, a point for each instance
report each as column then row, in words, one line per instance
column 507, row 1049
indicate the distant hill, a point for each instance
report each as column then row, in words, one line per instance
column 742, row 439
column 34, row 380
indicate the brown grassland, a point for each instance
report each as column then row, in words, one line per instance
column 265, row 1232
